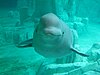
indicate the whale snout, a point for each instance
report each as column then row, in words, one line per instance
column 53, row 31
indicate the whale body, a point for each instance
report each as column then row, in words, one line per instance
column 52, row 38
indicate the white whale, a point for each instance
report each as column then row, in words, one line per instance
column 52, row 38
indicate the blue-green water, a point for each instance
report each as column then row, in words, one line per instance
column 19, row 19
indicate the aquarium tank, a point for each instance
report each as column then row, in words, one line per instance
column 49, row 37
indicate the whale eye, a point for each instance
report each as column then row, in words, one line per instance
column 36, row 30
column 63, row 33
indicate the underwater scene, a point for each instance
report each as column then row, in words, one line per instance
column 49, row 37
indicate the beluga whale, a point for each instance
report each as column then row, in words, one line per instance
column 52, row 38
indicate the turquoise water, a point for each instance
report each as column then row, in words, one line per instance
column 20, row 18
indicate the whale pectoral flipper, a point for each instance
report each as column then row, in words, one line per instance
column 78, row 52
column 27, row 43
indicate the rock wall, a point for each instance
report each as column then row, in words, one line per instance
column 47, row 6
column 89, row 8
column 26, row 3
column 80, row 8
